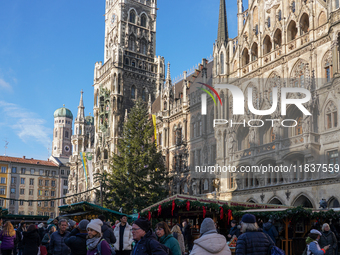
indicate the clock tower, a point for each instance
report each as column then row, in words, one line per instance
column 130, row 70
column 62, row 132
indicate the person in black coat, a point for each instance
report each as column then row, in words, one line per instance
column 253, row 241
column 270, row 230
column 146, row 241
column 31, row 240
column 234, row 231
column 107, row 231
column 187, row 235
column 328, row 238
column 77, row 239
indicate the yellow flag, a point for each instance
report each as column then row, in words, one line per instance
column 154, row 125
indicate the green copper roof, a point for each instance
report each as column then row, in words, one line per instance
column 63, row 112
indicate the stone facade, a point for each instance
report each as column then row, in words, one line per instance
column 281, row 44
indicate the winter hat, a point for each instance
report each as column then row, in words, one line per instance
column 248, row 218
column 72, row 223
column 208, row 226
column 96, row 225
column 50, row 226
column 83, row 224
column 314, row 231
column 143, row 223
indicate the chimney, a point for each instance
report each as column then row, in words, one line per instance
column 24, row 157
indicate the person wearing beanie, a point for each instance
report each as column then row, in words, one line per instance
column 252, row 241
column 312, row 243
column 146, row 241
column 123, row 236
column 165, row 237
column 328, row 238
column 72, row 225
column 94, row 239
column 47, row 237
column 77, row 239
column 210, row 242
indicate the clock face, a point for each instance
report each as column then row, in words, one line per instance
column 67, row 148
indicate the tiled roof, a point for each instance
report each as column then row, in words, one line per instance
column 26, row 161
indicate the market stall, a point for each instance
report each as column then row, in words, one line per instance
column 86, row 210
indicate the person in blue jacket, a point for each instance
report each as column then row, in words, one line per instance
column 270, row 230
column 313, row 246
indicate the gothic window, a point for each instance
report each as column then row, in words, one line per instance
column 337, row 4
column 143, row 47
column 322, row 18
column 298, row 127
column 143, row 20
column 106, row 154
column 56, row 133
column 279, row 15
column 245, row 57
column 272, row 135
column 277, row 39
column 127, row 62
column 144, row 95
column 267, row 45
column 165, row 106
column 331, row 116
column 206, row 185
column 133, row 63
column 133, row 92
column 119, row 83
column 222, row 63
column 292, row 31
column 333, row 158
column 179, row 135
column 132, row 43
column 174, row 136
column 300, row 75
column 293, row 7
column 132, row 16
column 231, row 181
column 66, row 134
column 268, row 22
column 255, row 17
column 304, row 24
column 327, row 65
column 254, row 52
column 256, row 29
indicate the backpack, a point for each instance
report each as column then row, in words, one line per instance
column 99, row 248
column 164, row 247
column 274, row 250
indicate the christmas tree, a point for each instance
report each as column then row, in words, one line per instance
column 138, row 177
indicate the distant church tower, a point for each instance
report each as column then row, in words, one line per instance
column 62, row 132
column 130, row 70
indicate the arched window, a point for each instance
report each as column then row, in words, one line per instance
column 222, row 63
column 178, row 135
column 119, row 83
column 267, row 45
column 132, row 16
column 277, row 39
column 255, row 17
column 331, row 115
column 143, row 20
column 327, row 65
column 293, row 6
column 272, row 135
column 268, row 22
column 322, row 18
column 279, row 14
column 254, row 52
column 132, row 43
column 56, row 133
column 133, row 92
column 133, row 63
column 66, row 134
column 106, row 154
column 292, row 31
column 245, row 57
column 165, row 106
column 127, row 62
column 304, row 24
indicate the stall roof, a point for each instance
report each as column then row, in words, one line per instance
column 268, row 209
column 87, row 208
column 220, row 202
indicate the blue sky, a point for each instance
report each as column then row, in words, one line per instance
column 48, row 50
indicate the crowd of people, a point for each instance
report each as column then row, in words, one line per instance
column 98, row 237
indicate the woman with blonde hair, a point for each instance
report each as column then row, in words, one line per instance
column 7, row 237
column 177, row 233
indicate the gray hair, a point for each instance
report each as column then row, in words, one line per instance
column 249, row 227
column 324, row 226
column 62, row 220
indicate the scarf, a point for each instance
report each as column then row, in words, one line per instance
column 92, row 243
column 309, row 240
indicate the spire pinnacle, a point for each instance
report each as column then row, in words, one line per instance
column 222, row 35
column 168, row 76
column 81, row 114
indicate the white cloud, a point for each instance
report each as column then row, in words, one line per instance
column 5, row 85
column 26, row 124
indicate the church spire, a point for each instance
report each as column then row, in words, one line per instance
column 222, row 34
column 81, row 115
column 168, row 77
